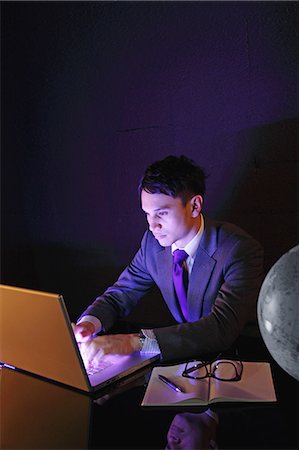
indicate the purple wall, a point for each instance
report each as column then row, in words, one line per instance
column 92, row 92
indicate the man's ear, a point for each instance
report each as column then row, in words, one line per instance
column 196, row 205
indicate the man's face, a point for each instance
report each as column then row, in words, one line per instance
column 169, row 220
column 191, row 431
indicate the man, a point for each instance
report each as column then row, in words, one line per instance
column 193, row 431
column 224, row 267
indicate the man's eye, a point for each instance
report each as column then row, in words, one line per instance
column 163, row 213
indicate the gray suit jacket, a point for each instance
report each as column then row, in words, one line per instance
column 222, row 292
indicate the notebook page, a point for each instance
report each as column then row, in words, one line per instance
column 159, row 394
column 256, row 385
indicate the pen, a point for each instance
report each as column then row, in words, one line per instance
column 170, row 383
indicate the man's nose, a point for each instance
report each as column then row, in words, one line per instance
column 153, row 224
column 173, row 442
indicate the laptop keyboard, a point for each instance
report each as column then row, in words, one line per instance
column 103, row 364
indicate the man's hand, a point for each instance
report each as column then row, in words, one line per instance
column 121, row 344
column 84, row 331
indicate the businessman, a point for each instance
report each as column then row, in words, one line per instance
column 209, row 273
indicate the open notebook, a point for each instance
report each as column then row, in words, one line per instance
column 36, row 336
column 256, row 385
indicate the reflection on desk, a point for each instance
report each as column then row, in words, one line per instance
column 192, row 431
column 36, row 414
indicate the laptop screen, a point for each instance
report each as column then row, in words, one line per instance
column 36, row 336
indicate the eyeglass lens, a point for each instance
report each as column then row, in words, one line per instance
column 224, row 370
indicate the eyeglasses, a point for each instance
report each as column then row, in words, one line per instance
column 220, row 369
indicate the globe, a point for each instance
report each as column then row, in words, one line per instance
column 278, row 312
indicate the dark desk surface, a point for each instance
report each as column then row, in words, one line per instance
column 36, row 414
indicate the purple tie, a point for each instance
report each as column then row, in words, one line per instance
column 179, row 256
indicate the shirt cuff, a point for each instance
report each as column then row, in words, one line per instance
column 94, row 320
column 150, row 344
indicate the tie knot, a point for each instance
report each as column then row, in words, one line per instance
column 179, row 256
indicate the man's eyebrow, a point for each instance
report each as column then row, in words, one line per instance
column 159, row 209
column 162, row 207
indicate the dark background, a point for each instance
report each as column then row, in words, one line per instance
column 93, row 92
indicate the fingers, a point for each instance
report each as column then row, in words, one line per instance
column 90, row 353
column 92, row 350
column 83, row 332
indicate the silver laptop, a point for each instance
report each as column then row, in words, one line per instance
column 36, row 336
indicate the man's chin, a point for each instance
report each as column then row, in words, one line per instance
column 163, row 240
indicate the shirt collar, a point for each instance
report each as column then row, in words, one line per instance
column 192, row 246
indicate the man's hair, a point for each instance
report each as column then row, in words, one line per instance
column 177, row 176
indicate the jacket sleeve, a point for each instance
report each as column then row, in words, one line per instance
column 119, row 299
column 234, row 305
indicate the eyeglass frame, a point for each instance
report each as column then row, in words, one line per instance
column 205, row 364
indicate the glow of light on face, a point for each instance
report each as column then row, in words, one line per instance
column 268, row 326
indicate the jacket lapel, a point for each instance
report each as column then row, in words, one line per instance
column 202, row 270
